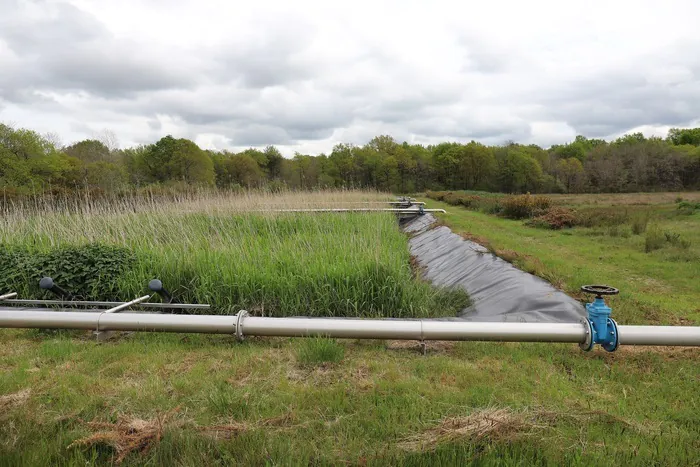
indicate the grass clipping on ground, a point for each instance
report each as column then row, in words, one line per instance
column 16, row 399
column 134, row 435
column 491, row 423
column 126, row 435
column 504, row 424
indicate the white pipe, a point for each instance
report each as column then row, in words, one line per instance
column 659, row 335
column 414, row 329
column 8, row 295
column 126, row 305
column 346, row 328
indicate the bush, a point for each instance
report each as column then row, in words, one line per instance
column 654, row 239
column 688, row 207
column 608, row 216
column 525, row 206
column 555, row 218
column 90, row 271
column 318, row 350
column 639, row 223
column 619, row 231
column 675, row 239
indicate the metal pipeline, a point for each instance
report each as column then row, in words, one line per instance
column 344, row 328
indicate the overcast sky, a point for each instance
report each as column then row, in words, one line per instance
column 305, row 75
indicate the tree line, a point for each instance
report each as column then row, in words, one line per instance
column 33, row 163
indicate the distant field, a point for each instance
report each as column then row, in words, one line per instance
column 620, row 199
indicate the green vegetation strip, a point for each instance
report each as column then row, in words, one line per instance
column 274, row 265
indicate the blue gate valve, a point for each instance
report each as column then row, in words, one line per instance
column 601, row 328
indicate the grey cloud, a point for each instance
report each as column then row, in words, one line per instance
column 258, row 135
column 484, row 57
column 610, row 101
column 68, row 49
column 271, row 59
column 63, row 27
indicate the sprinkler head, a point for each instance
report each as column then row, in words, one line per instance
column 155, row 285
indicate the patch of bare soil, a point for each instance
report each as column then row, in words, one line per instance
column 430, row 346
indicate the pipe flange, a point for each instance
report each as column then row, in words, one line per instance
column 239, row 324
column 612, row 345
column 588, row 344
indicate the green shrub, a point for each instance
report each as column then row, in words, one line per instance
column 672, row 237
column 554, row 218
column 675, row 239
column 688, row 207
column 654, row 239
column 90, row 271
column 318, row 350
column 619, row 231
column 607, row 216
column 639, row 223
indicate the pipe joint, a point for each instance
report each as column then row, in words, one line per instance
column 240, row 316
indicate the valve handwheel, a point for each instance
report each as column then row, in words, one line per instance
column 599, row 290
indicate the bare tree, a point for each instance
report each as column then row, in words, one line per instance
column 108, row 138
column 55, row 139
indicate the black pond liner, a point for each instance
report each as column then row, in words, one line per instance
column 499, row 291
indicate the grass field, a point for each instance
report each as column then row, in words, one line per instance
column 160, row 399
column 210, row 250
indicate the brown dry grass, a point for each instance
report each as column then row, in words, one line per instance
column 126, row 435
column 430, row 346
column 491, row 423
column 620, row 199
column 233, row 428
column 131, row 434
column 83, row 215
column 498, row 424
column 16, row 399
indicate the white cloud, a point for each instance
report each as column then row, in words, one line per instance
column 309, row 74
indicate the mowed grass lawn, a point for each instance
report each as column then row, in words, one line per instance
column 161, row 399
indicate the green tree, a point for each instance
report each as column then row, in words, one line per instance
column 89, row 150
column 681, row 136
column 179, row 159
column 519, row 172
column 274, row 162
column 570, row 172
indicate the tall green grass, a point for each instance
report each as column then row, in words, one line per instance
column 278, row 264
